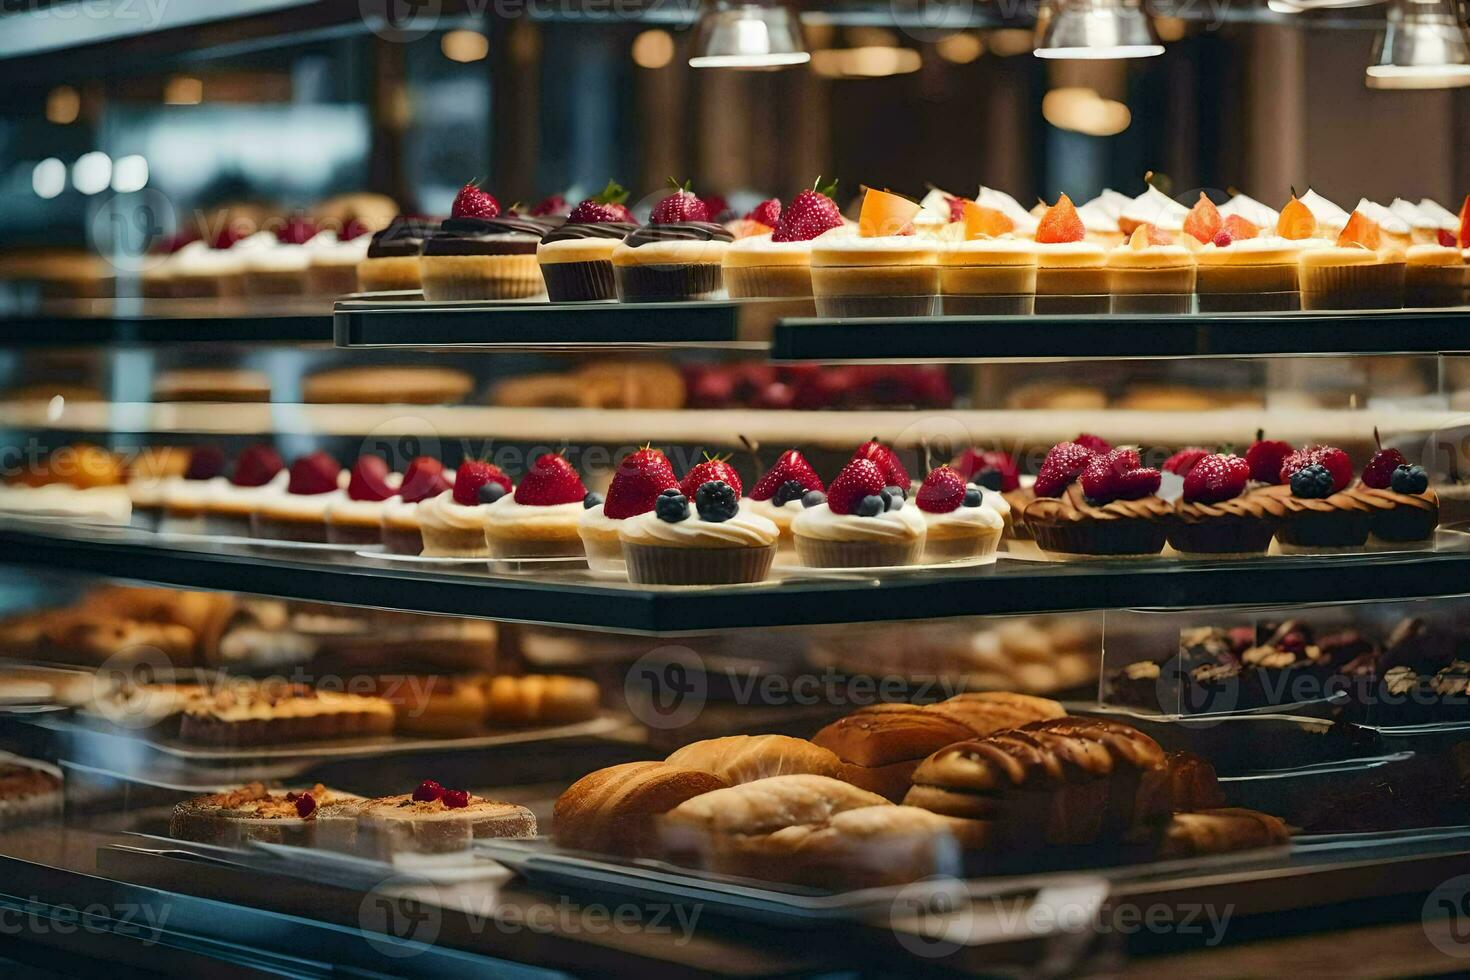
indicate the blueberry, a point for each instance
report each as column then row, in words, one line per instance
column 491, row 492
column 813, row 497
column 900, row 492
column 892, row 498
column 591, row 500
column 973, row 497
column 716, row 501
column 869, row 506
column 1409, row 479
column 787, row 492
column 671, row 492
column 672, row 507
column 990, row 478
column 1313, row 481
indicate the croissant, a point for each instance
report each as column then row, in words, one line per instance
column 745, row 758
column 1220, row 831
column 613, row 809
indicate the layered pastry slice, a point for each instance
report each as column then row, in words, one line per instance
column 254, row 812
column 480, row 253
column 269, row 713
column 1151, row 273
column 991, row 271
column 431, row 820
column 576, row 258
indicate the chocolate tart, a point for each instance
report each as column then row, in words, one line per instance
column 1239, row 526
column 671, row 262
column 1340, row 520
column 483, row 258
column 392, row 261
column 1070, row 525
column 576, row 260
column 1019, row 499
column 1400, row 517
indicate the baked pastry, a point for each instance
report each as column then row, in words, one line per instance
column 401, row 385
column 745, row 758
column 775, row 261
column 437, row 706
column 1112, row 508
column 1404, row 509
column 612, row 810
column 1153, row 208
column 259, row 474
column 1353, row 274
column 1071, row 272
column 991, row 272
column 186, row 498
column 253, row 812
column 430, row 820
column 706, row 540
column 880, row 745
column 676, row 256
column 883, row 270
column 423, row 479
column 761, row 807
column 576, row 258
column 453, row 523
column 1217, row 515
column 1220, row 831
column 957, row 524
column 268, row 714
column 29, row 791
column 1313, row 512
column 392, row 261
column 862, row 521
column 540, row 519
column 1434, row 275
column 356, row 517
column 987, row 712
column 540, row 699
column 480, row 253
column 299, row 514
column 1151, row 273
column 212, row 385
column 640, row 477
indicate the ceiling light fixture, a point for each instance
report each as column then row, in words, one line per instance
column 734, row 34
column 1424, row 44
column 1096, row 30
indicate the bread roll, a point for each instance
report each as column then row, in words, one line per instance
column 880, row 745
column 985, row 713
column 540, row 699
column 768, row 805
column 745, row 758
column 612, row 810
column 1220, row 831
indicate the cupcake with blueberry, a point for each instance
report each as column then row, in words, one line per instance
column 861, row 522
column 997, row 476
column 777, row 495
column 1313, row 511
column 299, row 514
column 540, row 519
column 392, row 260
column 1404, row 509
column 1097, row 503
column 259, row 474
column 357, row 516
column 453, row 523
column 676, row 256
column 1215, row 516
column 957, row 523
column 708, row 540
column 576, row 257
column 640, row 478
column 480, row 253
column 423, row 479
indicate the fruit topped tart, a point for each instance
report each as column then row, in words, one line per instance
column 299, row 514
column 1151, row 272
column 958, row 525
column 254, row 812
column 698, row 534
column 453, row 522
column 1216, row 514
column 759, row 220
column 480, row 253
column 986, row 267
column 357, row 516
column 864, row 520
column 259, row 474
column 676, row 256
column 641, row 476
column 540, row 519
column 1071, row 273
column 777, row 495
column 424, row 479
column 1311, row 508
column 1357, row 273
column 433, row 819
column 1153, row 207
column 1404, row 508
column 576, row 258
column 1097, row 503
column 779, row 263
column 883, row 270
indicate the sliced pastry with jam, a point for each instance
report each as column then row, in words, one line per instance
column 1217, row 515
column 402, row 528
column 863, row 521
column 704, row 538
column 540, row 519
column 778, row 494
column 1312, row 509
column 254, row 812
column 433, row 819
column 453, row 523
column 1097, row 503
column 300, row 513
column 958, row 525
column 1404, row 509
column 676, row 256
column 641, row 476
column 480, row 253
column 576, row 258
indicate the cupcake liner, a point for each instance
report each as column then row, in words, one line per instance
column 402, row 540
column 284, row 529
column 1225, row 302
column 669, row 283
column 821, row 553
column 604, row 553
column 1333, row 529
column 449, row 278
column 454, row 542
column 985, row 542
column 1434, row 285
column 359, row 534
column 953, row 305
column 275, row 282
column 1089, row 537
column 577, row 282
column 657, row 565
column 331, row 280
column 761, row 281
column 1153, row 303
column 389, row 273
column 1379, row 286
column 1222, row 536
column 513, row 546
column 875, row 306
column 1402, row 524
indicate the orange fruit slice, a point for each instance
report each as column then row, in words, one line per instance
column 1296, row 221
column 1360, row 230
column 1463, row 240
column 885, row 213
column 1239, row 228
column 1060, row 224
column 983, row 222
column 1203, row 220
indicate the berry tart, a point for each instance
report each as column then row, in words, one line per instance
column 357, row 516
column 706, row 540
column 990, row 272
column 540, row 519
column 779, row 264
column 392, row 262
column 777, row 495
column 479, row 253
column 1216, row 516
column 424, row 479
column 453, row 523
column 640, row 478
column 430, row 820
column 1404, row 509
column 576, row 258
column 1071, row 272
column 1151, row 272
column 863, row 521
column 1313, row 511
column 883, row 270
column 676, row 256
column 186, row 499
column 299, row 514
column 958, row 525
column 259, row 475
column 1097, row 503
column 253, row 812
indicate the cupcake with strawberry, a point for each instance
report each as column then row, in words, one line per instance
column 703, row 539
column 640, row 478
column 1404, row 509
column 1216, row 516
column 357, row 516
column 676, row 256
column 863, row 521
column 780, row 264
column 299, row 514
column 1097, row 503
column 453, row 523
column 1312, row 510
column 540, row 519
column 423, row 479
column 777, row 495
column 883, row 270
column 259, row 473
column 480, row 253
column 576, row 258
column 957, row 523
column 1071, row 271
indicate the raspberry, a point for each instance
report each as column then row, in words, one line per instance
column 767, row 213
column 1378, row 474
column 1063, row 464
column 471, row 202
column 1264, row 457
column 1118, row 475
column 990, row 468
column 1334, row 460
column 305, row 805
column 1216, row 478
column 455, row 799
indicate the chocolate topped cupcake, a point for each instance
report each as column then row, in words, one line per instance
column 478, row 253
column 392, row 261
column 676, row 256
column 576, row 257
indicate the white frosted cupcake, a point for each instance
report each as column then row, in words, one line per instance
column 861, row 524
column 453, row 523
column 641, row 476
column 540, row 519
column 299, row 514
column 958, row 524
column 706, row 541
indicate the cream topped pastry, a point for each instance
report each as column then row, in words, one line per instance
column 1153, row 207
column 276, row 260
column 883, row 270
column 453, row 523
column 335, row 256
column 1097, row 503
column 863, row 521
column 479, row 252
column 423, row 479
column 958, row 525
column 641, row 476
column 778, row 494
column 712, row 542
column 1150, row 273
column 1247, row 207
column 259, row 473
column 1071, row 274
column 1354, row 274
column 1397, row 232
column 186, row 498
column 540, row 519
column 1100, row 217
column 779, row 264
column 990, row 271
column 1330, row 218
column 299, row 514
column 1024, row 221
column 213, row 268
column 357, row 516
column 676, row 256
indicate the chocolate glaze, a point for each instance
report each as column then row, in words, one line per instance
column 403, row 237
column 679, row 231
column 486, row 236
column 605, row 229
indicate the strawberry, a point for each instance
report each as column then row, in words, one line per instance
column 1184, row 460
column 682, row 205
column 1095, row 443
column 555, row 204
column 313, row 474
column 1378, row 474
column 766, row 212
column 602, row 209
column 474, row 474
column 471, row 202
column 942, row 491
column 1334, row 460
column 811, row 213
column 424, row 478
column 987, row 467
column 716, row 205
column 205, row 463
column 369, row 479
column 887, row 461
column 1064, row 463
column 1117, row 475
column 640, row 478
column 1446, row 238
column 297, row 230
column 257, row 466
column 858, row 479
column 1216, row 477
column 550, row 481
column 790, row 467
column 712, row 468
column 1265, row 457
